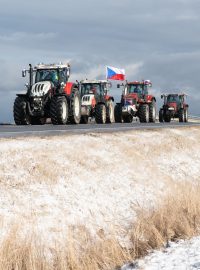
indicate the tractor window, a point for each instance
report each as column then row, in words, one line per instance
column 47, row 75
column 173, row 99
column 87, row 89
column 63, row 75
column 134, row 89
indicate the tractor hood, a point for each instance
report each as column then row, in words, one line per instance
column 40, row 89
column 172, row 106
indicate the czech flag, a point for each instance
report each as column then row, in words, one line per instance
column 113, row 73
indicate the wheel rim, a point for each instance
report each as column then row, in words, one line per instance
column 76, row 106
column 154, row 113
column 111, row 112
column 104, row 114
column 147, row 114
column 64, row 110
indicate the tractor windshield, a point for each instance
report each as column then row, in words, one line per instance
column 134, row 88
column 91, row 88
column 173, row 98
column 47, row 75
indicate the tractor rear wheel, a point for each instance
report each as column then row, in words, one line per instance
column 181, row 115
column 186, row 115
column 59, row 110
column 144, row 113
column 161, row 116
column 19, row 110
column 110, row 118
column 152, row 112
column 84, row 119
column 100, row 114
column 118, row 113
column 75, row 116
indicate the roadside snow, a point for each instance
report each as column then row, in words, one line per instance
column 184, row 255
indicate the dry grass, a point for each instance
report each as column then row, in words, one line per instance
column 177, row 216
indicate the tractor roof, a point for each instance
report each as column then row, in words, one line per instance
column 173, row 94
column 53, row 66
column 93, row 81
column 143, row 82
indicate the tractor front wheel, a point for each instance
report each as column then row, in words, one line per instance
column 144, row 113
column 161, row 116
column 118, row 113
column 100, row 114
column 152, row 112
column 181, row 115
column 167, row 117
column 84, row 119
column 19, row 111
column 75, row 116
column 128, row 118
column 186, row 115
column 59, row 110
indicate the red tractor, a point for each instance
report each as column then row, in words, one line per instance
column 136, row 102
column 95, row 101
column 174, row 107
column 48, row 95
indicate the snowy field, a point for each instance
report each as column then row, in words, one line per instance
column 97, row 181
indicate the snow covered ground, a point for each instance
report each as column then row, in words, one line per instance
column 184, row 255
column 93, row 180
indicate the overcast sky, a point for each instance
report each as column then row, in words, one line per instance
column 152, row 39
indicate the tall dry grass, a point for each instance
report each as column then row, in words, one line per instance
column 176, row 216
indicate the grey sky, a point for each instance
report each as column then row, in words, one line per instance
column 151, row 39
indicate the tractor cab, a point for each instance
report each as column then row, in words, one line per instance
column 137, row 89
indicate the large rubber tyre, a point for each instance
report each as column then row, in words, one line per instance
column 181, row 115
column 161, row 119
column 19, row 112
column 84, row 119
column 59, row 110
column 152, row 112
column 110, row 118
column 118, row 113
column 100, row 114
column 128, row 118
column 144, row 113
column 38, row 121
column 186, row 115
column 167, row 117
column 75, row 116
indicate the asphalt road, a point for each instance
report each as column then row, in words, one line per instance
column 12, row 131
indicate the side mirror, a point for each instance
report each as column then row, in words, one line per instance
column 23, row 73
column 118, row 85
column 161, row 96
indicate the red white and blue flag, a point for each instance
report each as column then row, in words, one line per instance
column 113, row 73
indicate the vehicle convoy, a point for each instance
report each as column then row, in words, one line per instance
column 95, row 101
column 136, row 102
column 174, row 107
column 48, row 95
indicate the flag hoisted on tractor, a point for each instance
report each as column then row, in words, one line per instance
column 113, row 73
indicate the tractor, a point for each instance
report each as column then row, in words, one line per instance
column 95, row 101
column 48, row 95
column 174, row 107
column 136, row 102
